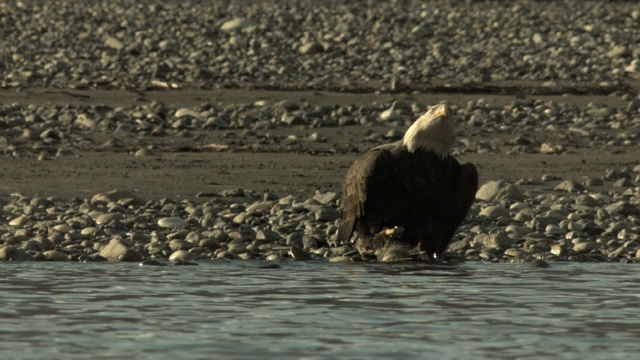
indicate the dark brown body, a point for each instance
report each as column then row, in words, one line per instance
column 424, row 195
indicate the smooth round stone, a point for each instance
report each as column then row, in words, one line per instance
column 108, row 218
column 517, row 206
column 553, row 229
column 226, row 255
column 240, row 218
column 63, row 228
column 267, row 235
column 117, row 250
column 587, row 200
column 558, row 250
column 275, row 257
column 235, row 24
column 182, row 255
column 89, row 231
column 19, row 221
column 498, row 191
column 517, row 230
column 179, row 244
column 538, row 263
column 495, row 212
column 143, row 152
column 209, row 243
column 237, row 248
column 570, row 186
column 514, row 252
column 311, row 48
column 593, row 182
column 497, row 240
column 172, row 222
column 260, row 207
column 585, row 246
column 182, row 112
column 54, row 255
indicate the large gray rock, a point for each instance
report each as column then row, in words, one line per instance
column 13, row 253
column 117, row 250
column 570, row 186
column 499, row 191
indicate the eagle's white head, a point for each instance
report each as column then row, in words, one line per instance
column 434, row 131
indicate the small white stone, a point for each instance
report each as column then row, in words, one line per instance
column 236, row 24
column 107, row 218
column 585, row 246
column 63, row 228
column 172, row 222
column 182, row 112
column 182, row 255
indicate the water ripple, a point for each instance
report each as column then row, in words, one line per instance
column 316, row 310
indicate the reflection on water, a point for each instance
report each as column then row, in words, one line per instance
column 318, row 310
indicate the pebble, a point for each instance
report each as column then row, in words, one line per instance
column 117, row 250
column 235, row 24
column 172, row 222
column 495, row 212
column 55, row 255
column 182, row 255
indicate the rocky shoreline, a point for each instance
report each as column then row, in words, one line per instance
column 560, row 174
column 504, row 225
column 317, row 44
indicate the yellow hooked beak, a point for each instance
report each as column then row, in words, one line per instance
column 441, row 110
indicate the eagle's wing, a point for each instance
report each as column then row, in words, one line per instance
column 369, row 171
column 462, row 193
column 441, row 193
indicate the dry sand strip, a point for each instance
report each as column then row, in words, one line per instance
column 190, row 97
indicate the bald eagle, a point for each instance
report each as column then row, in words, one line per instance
column 412, row 193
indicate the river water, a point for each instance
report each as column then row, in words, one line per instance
column 318, row 310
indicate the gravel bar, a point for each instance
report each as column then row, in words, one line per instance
column 516, row 63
